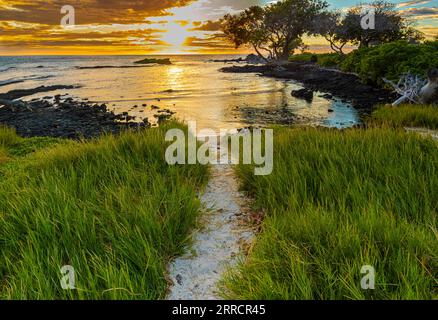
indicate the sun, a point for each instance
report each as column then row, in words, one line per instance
column 175, row 36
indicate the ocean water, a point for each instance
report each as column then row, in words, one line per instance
column 192, row 86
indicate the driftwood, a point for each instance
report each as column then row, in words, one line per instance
column 409, row 87
column 415, row 89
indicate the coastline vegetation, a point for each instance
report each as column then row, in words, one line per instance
column 391, row 60
column 372, row 64
column 110, row 207
column 337, row 201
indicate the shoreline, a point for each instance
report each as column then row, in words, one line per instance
column 61, row 116
column 335, row 83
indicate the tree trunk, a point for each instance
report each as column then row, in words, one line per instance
column 260, row 54
column 283, row 57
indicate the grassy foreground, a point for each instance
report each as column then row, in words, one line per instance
column 111, row 208
column 408, row 115
column 339, row 200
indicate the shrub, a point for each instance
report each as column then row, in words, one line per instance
column 391, row 60
column 305, row 57
column 329, row 59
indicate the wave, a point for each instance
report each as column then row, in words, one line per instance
column 10, row 81
column 3, row 70
column 20, row 80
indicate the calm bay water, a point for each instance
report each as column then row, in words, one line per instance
column 192, row 87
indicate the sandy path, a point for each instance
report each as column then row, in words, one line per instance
column 218, row 245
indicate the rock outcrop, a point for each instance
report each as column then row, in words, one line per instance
column 305, row 94
column 429, row 93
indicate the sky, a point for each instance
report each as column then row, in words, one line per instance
column 33, row 27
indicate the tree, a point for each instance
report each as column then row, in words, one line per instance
column 331, row 27
column 247, row 29
column 276, row 28
column 389, row 25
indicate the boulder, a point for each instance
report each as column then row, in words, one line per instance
column 305, row 94
column 254, row 59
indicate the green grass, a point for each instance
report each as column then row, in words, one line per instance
column 3, row 155
column 14, row 149
column 408, row 115
column 8, row 137
column 339, row 200
column 304, row 57
column 112, row 208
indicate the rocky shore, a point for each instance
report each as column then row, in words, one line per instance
column 344, row 86
column 61, row 116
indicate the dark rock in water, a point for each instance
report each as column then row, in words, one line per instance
column 326, row 96
column 154, row 61
column 251, row 59
column 247, row 69
column 161, row 117
column 20, row 93
column 68, row 119
column 228, row 60
column 345, row 86
column 254, row 59
column 305, row 94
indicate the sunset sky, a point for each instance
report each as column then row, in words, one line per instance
column 144, row 26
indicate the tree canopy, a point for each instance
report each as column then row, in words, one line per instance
column 276, row 28
column 389, row 25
